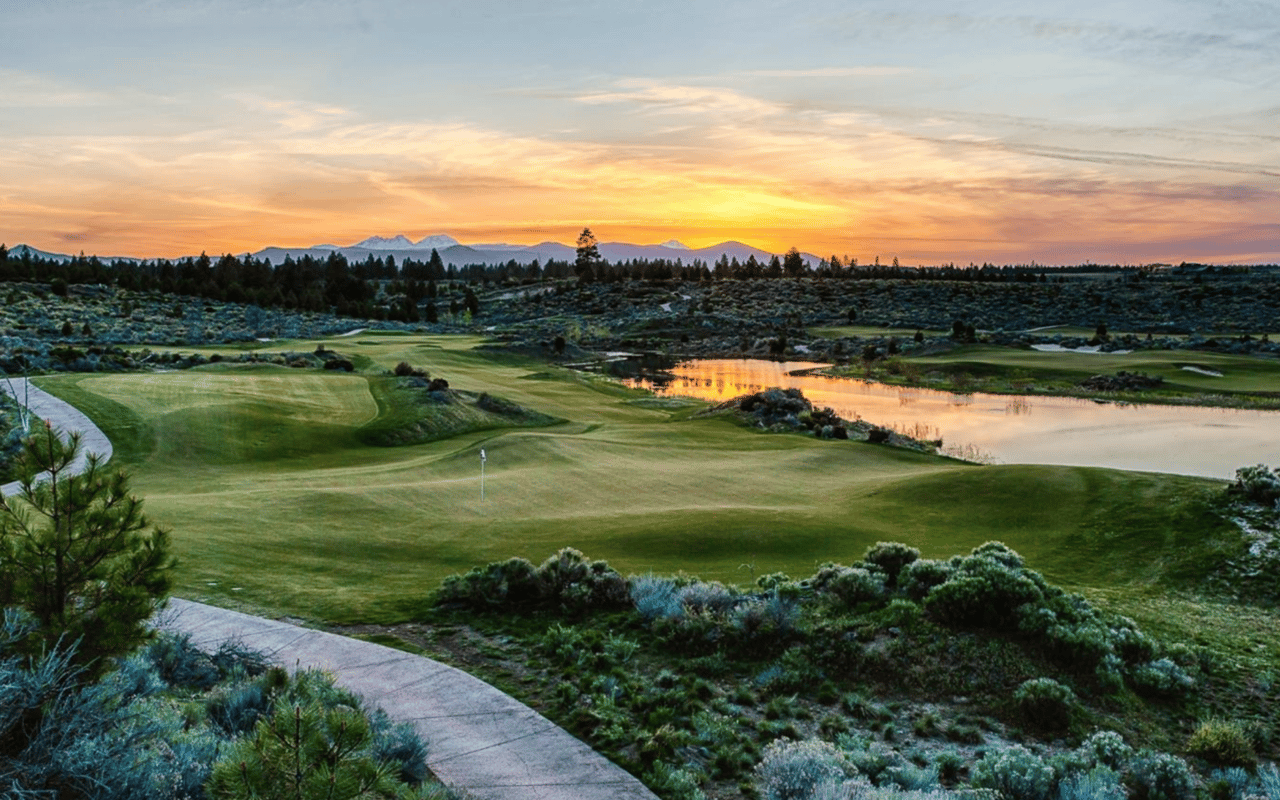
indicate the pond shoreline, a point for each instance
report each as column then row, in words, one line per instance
column 1259, row 401
column 1024, row 428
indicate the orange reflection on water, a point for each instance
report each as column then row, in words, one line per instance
column 1188, row 440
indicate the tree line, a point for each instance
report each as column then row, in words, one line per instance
column 384, row 288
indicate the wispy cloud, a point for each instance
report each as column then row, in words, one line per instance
column 293, row 115
column 20, row 89
column 840, row 127
column 829, row 72
column 695, row 99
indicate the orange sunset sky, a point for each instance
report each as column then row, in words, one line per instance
column 931, row 131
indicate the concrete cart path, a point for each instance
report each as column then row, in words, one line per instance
column 478, row 738
column 65, row 418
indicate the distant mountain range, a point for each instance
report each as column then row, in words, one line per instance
column 454, row 252
column 19, row 250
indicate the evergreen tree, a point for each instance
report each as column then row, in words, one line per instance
column 75, row 551
column 588, row 259
column 793, row 264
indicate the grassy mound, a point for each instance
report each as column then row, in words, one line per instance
column 412, row 413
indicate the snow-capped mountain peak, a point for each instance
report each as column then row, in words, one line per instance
column 674, row 245
column 400, row 242
column 438, row 241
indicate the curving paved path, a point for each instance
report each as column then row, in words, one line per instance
column 65, row 418
column 478, row 738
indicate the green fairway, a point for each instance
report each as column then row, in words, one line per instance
column 276, row 503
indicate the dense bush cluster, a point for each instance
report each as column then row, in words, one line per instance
column 566, row 580
column 171, row 722
column 988, row 590
column 772, row 685
column 1103, row 767
column 1045, row 704
column 1258, row 484
column 992, row 589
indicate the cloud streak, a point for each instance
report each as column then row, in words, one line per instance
column 943, row 130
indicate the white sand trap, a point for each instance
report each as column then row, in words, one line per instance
column 1088, row 348
column 1212, row 373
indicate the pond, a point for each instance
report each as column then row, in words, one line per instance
column 1010, row 429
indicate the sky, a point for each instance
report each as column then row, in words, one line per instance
column 934, row 131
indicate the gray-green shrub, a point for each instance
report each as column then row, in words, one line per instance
column 1046, row 704
column 1161, row 678
column 566, row 580
column 917, row 578
column 1269, row 781
column 1257, row 484
column 656, row 598
column 1236, row 780
column 710, row 596
column 236, row 709
column 579, row 584
column 501, row 584
column 891, row 558
column 771, row 615
column 1105, row 748
column 180, row 663
column 676, row 783
column 794, row 770
column 1016, row 773
column 1099, row 783
column 1160, row 776
column 62, row 736
column 849, row 585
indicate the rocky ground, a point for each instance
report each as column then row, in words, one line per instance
column 773, row 317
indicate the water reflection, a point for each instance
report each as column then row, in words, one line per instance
column 1187, row 440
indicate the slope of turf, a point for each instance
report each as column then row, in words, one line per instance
column 276, row 504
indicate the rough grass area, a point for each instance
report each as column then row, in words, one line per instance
column 916, row 686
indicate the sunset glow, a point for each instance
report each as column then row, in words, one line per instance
column 938, row 132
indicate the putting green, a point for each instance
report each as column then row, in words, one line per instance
column 332, row 399
column 276, row 505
